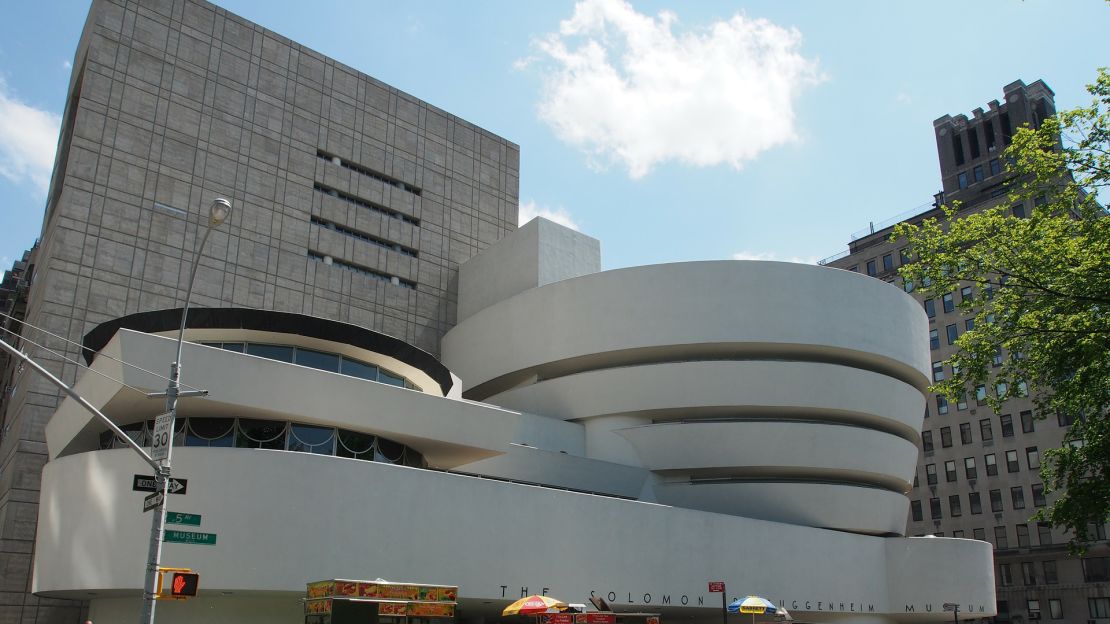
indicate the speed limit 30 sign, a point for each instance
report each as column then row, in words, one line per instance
column 160, row 447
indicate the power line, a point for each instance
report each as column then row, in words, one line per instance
column 71, row 361
column 83, row 348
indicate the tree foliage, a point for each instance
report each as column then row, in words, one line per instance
column 1041, row 306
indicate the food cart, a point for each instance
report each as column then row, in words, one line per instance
column 338, row 601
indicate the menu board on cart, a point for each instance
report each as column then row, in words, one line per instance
column 394, row 599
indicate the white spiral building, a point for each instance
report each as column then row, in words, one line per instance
column 637, row 432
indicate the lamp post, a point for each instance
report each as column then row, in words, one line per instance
column 161, row 449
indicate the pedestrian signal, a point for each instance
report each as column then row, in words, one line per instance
column 184, row 584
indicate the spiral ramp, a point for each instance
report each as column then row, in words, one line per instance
column 771, row 390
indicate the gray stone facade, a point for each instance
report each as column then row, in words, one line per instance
column 352, row 201
column 978, row 471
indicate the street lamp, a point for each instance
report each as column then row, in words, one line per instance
column 162, row 445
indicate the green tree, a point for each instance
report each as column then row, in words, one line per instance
column 1043, row 303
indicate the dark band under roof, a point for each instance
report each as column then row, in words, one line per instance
column 278, row 322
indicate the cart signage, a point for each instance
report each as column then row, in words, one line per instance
column 394, row 599
column 557, row 618
column 317, row 607
column 716, row 587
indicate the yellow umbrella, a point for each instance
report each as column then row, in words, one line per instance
column 533, row 605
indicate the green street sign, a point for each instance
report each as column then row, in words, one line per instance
column 188, row 537
column 177, row 517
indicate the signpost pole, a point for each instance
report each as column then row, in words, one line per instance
column 955, row 609
column 719, row 587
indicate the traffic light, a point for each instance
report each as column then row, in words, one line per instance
column 184, row 584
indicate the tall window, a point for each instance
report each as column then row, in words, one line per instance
column 871, row 268
column 931, row 474
column 930, row 308
column 1055, row 609
column 1096, row 570
column 976, row 504
column 1005, row 578
column 1032, row 457
column 985, row 430
column 966, row 294
column 1000, row 540
column 934, row 508
column 1033, row 607
column 950, row 471
column 996, row 501
column 927, row 441
column 888, row 262
column 934, row 340
column 947, row 302
column 1007, row 423
column 1023, row 538
column 1027, row 422
column 954, row 506
column 1017, row 497
column 969, row 468
column 1044, row 534
column 965, row 433
column 938, row 371
column 996, row 167
column 915, row 510
column 951, row 333
column 979, row 534
column 1012, row 462
column 946, row 436
column 1038, row 495
column 1099, row 607
column 989, row 462
column 942, row 405
column 1028, row 571
column 1050, row 576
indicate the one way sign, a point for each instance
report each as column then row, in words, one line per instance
column 145, row 483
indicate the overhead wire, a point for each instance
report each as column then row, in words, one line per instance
column 83, row 348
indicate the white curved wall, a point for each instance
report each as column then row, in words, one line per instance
column 283, row 519
column 743, row 305
column 822, row 505
column 745, row 373
column 800, row 388
column 799, row 447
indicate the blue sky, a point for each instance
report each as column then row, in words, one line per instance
column 669, row 130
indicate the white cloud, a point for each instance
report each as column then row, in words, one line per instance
column 626, row 89
column 28, row 138
column 770, row 255
column 529, row 210
column 67, row 65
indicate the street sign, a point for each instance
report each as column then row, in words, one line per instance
column 951, row 606
column 152, row 501
column 189, row 537
column 176, row 517
column 716, row 587
column 145, row 483
column 163, row 427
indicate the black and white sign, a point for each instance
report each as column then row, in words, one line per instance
column 152, row 501
column 145, row 483
column 163, row 428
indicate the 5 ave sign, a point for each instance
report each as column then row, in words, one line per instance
column 145, row 483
